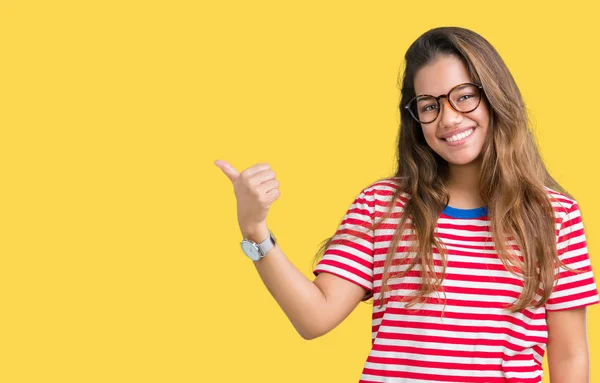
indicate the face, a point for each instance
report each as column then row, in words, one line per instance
column 466, row 131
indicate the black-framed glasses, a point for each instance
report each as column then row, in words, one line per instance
column 463, row 98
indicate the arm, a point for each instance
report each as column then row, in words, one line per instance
column 314, row 308
column 568, row 356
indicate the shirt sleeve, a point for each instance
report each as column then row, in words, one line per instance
column 573, row 290
column 350, row 253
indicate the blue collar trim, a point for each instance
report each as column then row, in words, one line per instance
column 455, row 212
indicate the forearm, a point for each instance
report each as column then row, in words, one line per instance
column 299, row 298
column 574, row 369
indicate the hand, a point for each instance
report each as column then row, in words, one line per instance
column 255, row 190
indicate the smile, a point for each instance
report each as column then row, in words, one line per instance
column 460, row 136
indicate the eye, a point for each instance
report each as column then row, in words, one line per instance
column 465, row 97
column 429, row 108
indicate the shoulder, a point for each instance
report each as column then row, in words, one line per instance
column 382, row 191
column 562, row 204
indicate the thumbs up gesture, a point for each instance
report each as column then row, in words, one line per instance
column 255, row 190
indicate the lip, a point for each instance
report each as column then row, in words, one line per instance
column 456, row 131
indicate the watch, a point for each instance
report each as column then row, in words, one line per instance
column 256, row 251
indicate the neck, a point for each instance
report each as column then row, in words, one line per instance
column 463, row 185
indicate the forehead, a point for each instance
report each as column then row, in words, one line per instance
column 438, row 77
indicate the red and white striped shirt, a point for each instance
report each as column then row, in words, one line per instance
column 477, row 339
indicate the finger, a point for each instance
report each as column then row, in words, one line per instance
column 229, row 170
column 272, row 196
column 268, row 186
column 262, row 177
column 255, row 169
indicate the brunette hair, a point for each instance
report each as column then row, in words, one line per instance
column 513, row 181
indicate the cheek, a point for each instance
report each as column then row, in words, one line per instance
column 429, row 133
column 482, row 115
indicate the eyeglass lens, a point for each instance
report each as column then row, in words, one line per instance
column 463, row 99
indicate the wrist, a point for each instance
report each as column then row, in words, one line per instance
column 256, row 245
column 257, row 235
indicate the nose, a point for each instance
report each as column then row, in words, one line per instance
column 448, row 116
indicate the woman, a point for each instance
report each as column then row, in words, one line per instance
column 475, row 257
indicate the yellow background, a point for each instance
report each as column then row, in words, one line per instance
column 119, row 251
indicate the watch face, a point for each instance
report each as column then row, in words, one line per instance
column 250, row 250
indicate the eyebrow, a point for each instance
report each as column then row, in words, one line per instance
column 445, row 94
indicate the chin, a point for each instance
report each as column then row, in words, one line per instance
column 461, row 160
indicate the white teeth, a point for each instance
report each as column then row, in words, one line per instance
column 459, row 136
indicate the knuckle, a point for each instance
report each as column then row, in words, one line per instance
column 244, row 175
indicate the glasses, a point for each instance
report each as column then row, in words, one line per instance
column 463, row 98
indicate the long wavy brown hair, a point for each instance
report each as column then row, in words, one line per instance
column 512, row 181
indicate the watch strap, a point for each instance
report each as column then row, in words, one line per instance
column 267, row 244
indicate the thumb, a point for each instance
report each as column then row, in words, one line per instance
column 229, row 171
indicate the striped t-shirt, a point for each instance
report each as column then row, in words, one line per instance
column 477, row 339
